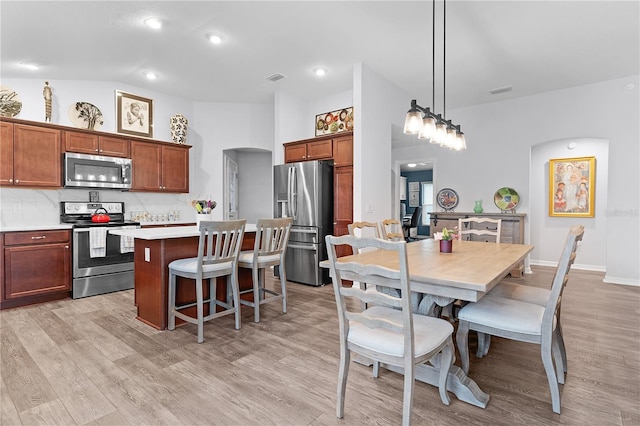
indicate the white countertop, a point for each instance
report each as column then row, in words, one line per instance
column 167, row 232
column 40, row 227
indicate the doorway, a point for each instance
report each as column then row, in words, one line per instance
column 230, row 197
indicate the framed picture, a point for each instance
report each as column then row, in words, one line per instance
column 572, row 190
column 337, row 121
column 134, row 115
column 414, row 186
column 414, row 198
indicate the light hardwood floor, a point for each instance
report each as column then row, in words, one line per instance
column 89, row 361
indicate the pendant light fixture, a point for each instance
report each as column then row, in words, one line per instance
column 423, row 121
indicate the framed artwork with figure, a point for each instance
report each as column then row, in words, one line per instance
column 572, row 190
column 134, row 115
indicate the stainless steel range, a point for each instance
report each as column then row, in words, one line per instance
column 102, row 262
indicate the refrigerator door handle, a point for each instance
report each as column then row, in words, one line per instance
column 302, row 247
column 293, row 193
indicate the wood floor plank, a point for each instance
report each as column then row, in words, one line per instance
column 284, row 370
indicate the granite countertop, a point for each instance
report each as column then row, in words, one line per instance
column 39, row 227
column 167, row 232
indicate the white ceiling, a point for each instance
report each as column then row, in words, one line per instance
column 533, row 46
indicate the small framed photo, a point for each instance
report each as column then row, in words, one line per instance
column 572, row 191
column 414, row 198
column 414, row 186
column 134, row 115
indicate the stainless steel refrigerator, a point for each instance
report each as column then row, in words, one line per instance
column 304, row 192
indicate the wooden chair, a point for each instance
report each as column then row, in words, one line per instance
column 391, row 229
column 363, row 229
column 387, row 332
column 480, row 226
column 270, row 248
column 524, row 321
column 218, row 250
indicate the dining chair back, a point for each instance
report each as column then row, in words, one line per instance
column 479, row 228
column 391, row 229
column 218, row 249
column 387, row 332
column 364, row 229
column 270, row 249
column 525, row 321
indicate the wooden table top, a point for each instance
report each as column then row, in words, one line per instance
column 470, row 271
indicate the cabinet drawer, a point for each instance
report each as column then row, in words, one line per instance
column 36, row 237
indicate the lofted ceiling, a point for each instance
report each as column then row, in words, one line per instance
column 532, row 46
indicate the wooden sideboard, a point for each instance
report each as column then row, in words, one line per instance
column 512, row 227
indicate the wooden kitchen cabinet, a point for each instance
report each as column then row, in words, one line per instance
column 31, row 156
column 36, row 267
column 309, row 150
column 93, row 143
column 159, row 167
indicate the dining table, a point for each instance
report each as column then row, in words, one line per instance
column 471, row 270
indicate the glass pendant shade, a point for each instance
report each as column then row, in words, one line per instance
column 450, row 141
column 461, row 143
column 441, row 133
column 413, row 122
column 427, row 129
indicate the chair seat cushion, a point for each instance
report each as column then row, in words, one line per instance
column 429, row 333
column 505, row 314
column 245, row 258
column 524, row 293
column 190, row 265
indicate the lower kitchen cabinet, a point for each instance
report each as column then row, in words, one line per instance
column 36, row 267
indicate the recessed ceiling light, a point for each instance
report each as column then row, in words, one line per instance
column 150, row 75
column 215, row 38
column 154, row 23
column 320, row 72
column 29, row 66
column 411, row 165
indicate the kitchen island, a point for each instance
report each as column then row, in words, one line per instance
column 154, row 249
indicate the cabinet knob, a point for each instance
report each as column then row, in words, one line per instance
column 97, row 150
column 17, row 180
column 10, row 180
column 66, row 247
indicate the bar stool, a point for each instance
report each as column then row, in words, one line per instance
column 222, row 241
column 272, row 236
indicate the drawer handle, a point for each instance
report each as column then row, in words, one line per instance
column 42, row 237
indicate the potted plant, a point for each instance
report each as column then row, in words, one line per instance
column 446, row 238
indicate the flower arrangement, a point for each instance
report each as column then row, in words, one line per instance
column 447, row 235
column 204, row 206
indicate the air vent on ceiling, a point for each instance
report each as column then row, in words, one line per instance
column 275, row 77
column 499, row 90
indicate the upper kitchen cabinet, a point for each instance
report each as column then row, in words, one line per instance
column 312, row 149
column 92, row 143
column 31, row 156
column 159, row 167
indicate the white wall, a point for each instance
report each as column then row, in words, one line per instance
column 500, row 137
column 255, row 183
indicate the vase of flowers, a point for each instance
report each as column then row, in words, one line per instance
column 446, row 238
column 204, row 209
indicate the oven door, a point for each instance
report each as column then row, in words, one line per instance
column 113, row 261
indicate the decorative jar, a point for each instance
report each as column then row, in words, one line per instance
column 478, row 207
column 179, row 129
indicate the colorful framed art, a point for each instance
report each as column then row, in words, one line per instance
column 572, row 187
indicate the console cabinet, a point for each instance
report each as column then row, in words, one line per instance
column 31, row 156
column 36, row 267
column 512, row 231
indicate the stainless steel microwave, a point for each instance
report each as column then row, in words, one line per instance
column 96, row 171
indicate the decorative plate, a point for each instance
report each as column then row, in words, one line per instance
column 84, row 115
column 447, row 198
column 10, row 102
column 506, row 198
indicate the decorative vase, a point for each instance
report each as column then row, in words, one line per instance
column 446, row 246
column 179, row 129
column 478, row 207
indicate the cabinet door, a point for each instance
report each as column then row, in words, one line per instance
column 294, row 153
column 343, row 151
column 6, row 153
column 175, row 169
column 320, row 150
column 114, row 147
column 81, row 142
column 342, row 203
column 146, row 166
column 37, row 159
column 53, row 273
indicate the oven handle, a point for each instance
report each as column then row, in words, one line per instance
column 110, row 228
